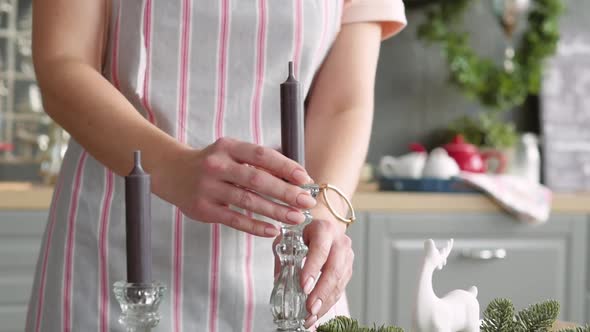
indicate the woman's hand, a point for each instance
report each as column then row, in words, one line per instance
column 205, row 183
column 330, row 251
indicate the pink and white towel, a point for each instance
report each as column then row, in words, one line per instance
column 528, row 201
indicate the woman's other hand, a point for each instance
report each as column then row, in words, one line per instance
column 330, row 252
column 206, row 183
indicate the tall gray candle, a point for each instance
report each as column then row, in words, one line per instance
column 292, row 122
column 138, row 224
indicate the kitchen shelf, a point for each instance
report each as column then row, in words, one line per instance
column 23, row 124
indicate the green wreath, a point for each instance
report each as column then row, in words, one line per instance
column 481, row 78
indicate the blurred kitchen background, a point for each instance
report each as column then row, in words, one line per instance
column 29, row 141
column 417, row 109
column 416, row 103
column 414, row 100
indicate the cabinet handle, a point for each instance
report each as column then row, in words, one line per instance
column 484, row 254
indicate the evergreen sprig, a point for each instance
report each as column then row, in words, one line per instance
column 346, row 324
column 481, row 78
column 499, row 316
column 537, row 317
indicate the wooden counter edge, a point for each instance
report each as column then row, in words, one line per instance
column 33, row 198
column 449, row 203
column 366, row 199
column 559, row 325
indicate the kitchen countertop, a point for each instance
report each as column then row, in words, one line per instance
column 24, row 196
column 368, row 198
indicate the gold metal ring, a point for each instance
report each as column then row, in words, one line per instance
column 324, row 189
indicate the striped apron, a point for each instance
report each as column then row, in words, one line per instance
column 199, row 70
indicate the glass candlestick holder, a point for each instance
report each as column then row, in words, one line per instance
column 287, row 299
column 139, row 304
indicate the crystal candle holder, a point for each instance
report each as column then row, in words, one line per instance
column 139, row 304
column 287, row 298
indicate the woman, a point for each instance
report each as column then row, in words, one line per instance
column 194, row 84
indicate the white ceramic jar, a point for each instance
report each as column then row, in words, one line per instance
column 527, row 158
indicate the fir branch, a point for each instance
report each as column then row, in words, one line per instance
column 498, row 316
column 538, row 317
column 346, row 324
column 386, row 329
column 339, row 324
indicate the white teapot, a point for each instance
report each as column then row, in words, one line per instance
column 409, row 165
column 440, row 165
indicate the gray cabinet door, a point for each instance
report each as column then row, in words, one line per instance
column 355, row 290
column 20, row 239
column 541, row 262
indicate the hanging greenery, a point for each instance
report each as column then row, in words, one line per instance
column 499, row 316
column 487, row 130
column 481, row 78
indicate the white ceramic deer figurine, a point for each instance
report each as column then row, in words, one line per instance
column 458, row 311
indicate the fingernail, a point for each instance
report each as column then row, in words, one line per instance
column 310, row 321
column 308, row 285
column 295, row 217
column 306, row 201
column 315, row 308
column 271, row 231
column 301, row 177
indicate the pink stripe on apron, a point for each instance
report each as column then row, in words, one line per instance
column 69, row 250
column 219, row 117
column 297, row 36
column 256, row 114
column 52, row 218
column 319, row 51
column 222, row 75
column 260, row 63
column 249, row 309
column 115, row 55
column 147, row 31
column 182, row 127
column 103, row 250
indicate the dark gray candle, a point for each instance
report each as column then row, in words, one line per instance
column 292, row 120
column 138, row 224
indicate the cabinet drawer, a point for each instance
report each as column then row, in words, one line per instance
column 15, row 289
column 13, row 318
column 541, row 262
column 22, row 223
column 20, row 239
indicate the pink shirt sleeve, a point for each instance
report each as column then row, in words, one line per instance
column 389, row 13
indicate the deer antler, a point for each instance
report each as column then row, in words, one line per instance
column 444, row 252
